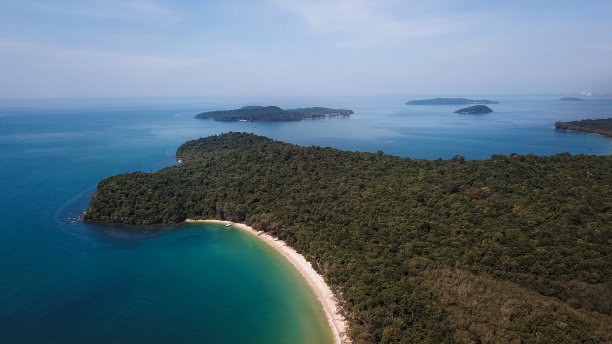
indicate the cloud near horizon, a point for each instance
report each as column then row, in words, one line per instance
column 291, row 47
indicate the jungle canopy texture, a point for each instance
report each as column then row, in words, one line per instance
column 510, row 249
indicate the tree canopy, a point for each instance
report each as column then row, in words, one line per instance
column 510, row 249
column 591, row 126
column 272, row 114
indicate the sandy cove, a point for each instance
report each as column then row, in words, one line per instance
column 315, row 281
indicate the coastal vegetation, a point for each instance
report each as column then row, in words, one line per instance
column 509, row 249
column 591, row 126
column 272, row 114
column 473, row 110
column 449, row 101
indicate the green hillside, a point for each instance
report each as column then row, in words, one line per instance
column 507, row 250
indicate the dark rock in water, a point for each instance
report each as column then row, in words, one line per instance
column 476, row 109
column 449, row 101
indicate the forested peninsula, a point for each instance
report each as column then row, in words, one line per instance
column 449, row 101
column 590, row 126
column 510, row 249
column 273, row 114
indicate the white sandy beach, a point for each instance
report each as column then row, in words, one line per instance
column 316, row 282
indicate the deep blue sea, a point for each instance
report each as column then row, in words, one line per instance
column 65, row 281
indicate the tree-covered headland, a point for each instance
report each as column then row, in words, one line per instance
column 591, row 126
column 513, row 249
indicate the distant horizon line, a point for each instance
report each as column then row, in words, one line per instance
column 599, row 95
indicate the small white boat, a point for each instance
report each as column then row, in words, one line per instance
column 229, row 224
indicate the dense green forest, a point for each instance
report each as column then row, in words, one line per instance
column 272, row 114
column 476, row 109
column 449, row 101
column 510, row 249
column 591, row 126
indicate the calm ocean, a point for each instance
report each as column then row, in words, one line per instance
column 65, row 281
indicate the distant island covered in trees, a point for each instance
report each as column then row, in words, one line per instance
column 571, row 99
column 476, row 109
column 449, row 101
column 591, row 126
column 272, row 114
column 510, row 249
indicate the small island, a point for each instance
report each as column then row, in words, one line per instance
column 272, row 114
column 571, row 99
column 590, row 126
column 450, row 101
column 474, row 110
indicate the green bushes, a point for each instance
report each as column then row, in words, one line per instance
column 378, row 227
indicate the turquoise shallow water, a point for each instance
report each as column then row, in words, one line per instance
column 68, row 281
column 203, row 283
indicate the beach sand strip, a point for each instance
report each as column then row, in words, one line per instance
column 336, row 321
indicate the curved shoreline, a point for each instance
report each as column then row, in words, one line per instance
column 327, row 299
column 583, row 132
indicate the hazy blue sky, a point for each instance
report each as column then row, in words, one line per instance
column 299, row 47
